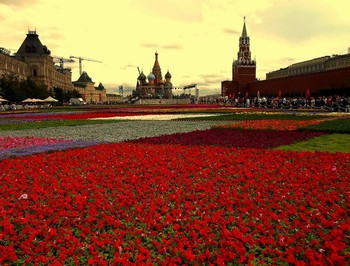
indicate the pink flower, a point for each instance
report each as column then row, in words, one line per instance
column 23, row 196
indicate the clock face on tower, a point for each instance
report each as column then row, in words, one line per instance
column 246, row 54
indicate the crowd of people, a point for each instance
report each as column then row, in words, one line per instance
column 327, row 103
column 14, row 106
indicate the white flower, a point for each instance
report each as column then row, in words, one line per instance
column 162, row 117
column 23, row 196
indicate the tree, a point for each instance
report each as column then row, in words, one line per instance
column 34, row 90
column 64, row 96
column 16, row 90
column 58, row 94
column 11, row 88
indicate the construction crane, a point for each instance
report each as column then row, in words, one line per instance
column 81, row 59
column 189, row 86
column 62, row 60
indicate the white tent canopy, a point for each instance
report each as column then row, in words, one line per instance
column 28, row 100
column 31, row 100
column 50, row 100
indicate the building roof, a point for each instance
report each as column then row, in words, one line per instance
column 315, row 61
column 84, row 78
column 32, row 46
column 100, row 87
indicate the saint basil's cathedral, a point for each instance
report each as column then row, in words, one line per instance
column 153, row 86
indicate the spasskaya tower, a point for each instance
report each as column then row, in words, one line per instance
column 243, row 69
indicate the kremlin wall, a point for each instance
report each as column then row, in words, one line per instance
column 324, row 76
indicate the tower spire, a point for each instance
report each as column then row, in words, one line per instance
column 244, row 31
column 156, row 69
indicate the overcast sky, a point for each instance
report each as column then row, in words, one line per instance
column 197, row 40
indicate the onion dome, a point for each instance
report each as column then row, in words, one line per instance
column 168, row 75
column 151, row 76
column 142, row 76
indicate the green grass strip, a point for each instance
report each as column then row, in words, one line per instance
column 59, row 123
column 331, row 143
column 341, row 125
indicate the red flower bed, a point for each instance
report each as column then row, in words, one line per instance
column 233, row 138
column 172, row 204
column 273, row 124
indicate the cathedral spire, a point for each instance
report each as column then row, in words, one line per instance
column 156, row 70
column 156, row 63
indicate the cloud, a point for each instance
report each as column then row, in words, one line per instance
column 172, row 46
column 182, row 11
column 165, row 46
column 128, row 66
column 210, row 76
column 18, row 3
column 211, row 79
column 149, row 45
column 297, row 21
column 231, row 31
column 53, row 34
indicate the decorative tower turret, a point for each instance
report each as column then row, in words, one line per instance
column 168, row 85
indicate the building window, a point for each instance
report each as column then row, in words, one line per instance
column 35, row 70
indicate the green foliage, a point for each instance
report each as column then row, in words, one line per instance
column 58, row 94
column 341, row 125
column 11, row 88
column 64, row 95
column 16, row 90
column 331, row 143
